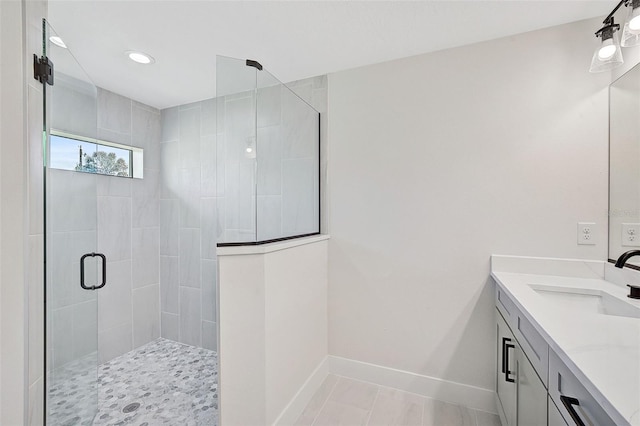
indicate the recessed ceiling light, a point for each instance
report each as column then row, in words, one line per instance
column 139, row 57
column 57, row 41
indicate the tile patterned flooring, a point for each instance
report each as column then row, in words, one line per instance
column 168, row 383
column 343, row 401
column 161, row 383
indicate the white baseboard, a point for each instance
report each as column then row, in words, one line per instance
column 431, row 387
column 296, row 406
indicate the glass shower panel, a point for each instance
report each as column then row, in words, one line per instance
column 269, row 157
column 268, row 148
column 288, row 163
column 236, row 149
column 71, row 232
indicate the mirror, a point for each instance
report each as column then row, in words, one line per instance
column 624, row 165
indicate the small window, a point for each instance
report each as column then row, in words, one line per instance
column 70, row 152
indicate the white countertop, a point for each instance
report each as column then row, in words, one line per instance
column 602, row 351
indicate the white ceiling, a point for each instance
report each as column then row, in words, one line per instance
column 292, row 39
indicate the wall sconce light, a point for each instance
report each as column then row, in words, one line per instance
column 609, row 54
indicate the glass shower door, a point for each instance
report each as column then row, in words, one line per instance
column 73, row 268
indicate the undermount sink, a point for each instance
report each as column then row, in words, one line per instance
column 586, row 300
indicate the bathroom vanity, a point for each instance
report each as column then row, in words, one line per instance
column 568, row 343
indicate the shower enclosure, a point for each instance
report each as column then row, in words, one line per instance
column 136, row 200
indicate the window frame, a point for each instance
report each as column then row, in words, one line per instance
column 136, row 154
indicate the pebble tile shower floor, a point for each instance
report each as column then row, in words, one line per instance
column 161, row 383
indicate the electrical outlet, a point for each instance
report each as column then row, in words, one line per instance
column 587, row 233
column 631, row 234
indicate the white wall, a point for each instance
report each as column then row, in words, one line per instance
column 13, row 213
column 21, row 269
column 273, row 328
column 436, row 162
column 296, row 321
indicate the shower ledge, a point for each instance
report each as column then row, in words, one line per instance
column 271, row 247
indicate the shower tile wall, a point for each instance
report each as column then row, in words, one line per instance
column 188, row 265
column 129, row 231
column 125, row 213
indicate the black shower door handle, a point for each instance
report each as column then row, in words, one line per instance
column 104, row 271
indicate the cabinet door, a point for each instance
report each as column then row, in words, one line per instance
column 506, row 371
column 532, row 395
column 555, row 418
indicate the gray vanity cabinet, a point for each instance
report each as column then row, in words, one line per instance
column 521, row 395
column 533, row 385
column 555, row 418
column 506, row 387
column 521, row 368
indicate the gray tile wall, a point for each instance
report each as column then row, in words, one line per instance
column 119, row 217
column 129, row 230
column 188, row 268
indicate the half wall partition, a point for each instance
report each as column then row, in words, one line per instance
column 268, row 174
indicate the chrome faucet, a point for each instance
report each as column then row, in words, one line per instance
column 634, row 291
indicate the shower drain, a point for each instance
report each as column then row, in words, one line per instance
column 130, row 408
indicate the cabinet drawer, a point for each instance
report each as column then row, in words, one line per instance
column 531, row 342
column 533, row 345
column 504, row 304
column 565, row 389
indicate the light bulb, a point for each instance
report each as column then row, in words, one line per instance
column 606, row 52
column 634, row 23
column 249, row 150
column 139, row 57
